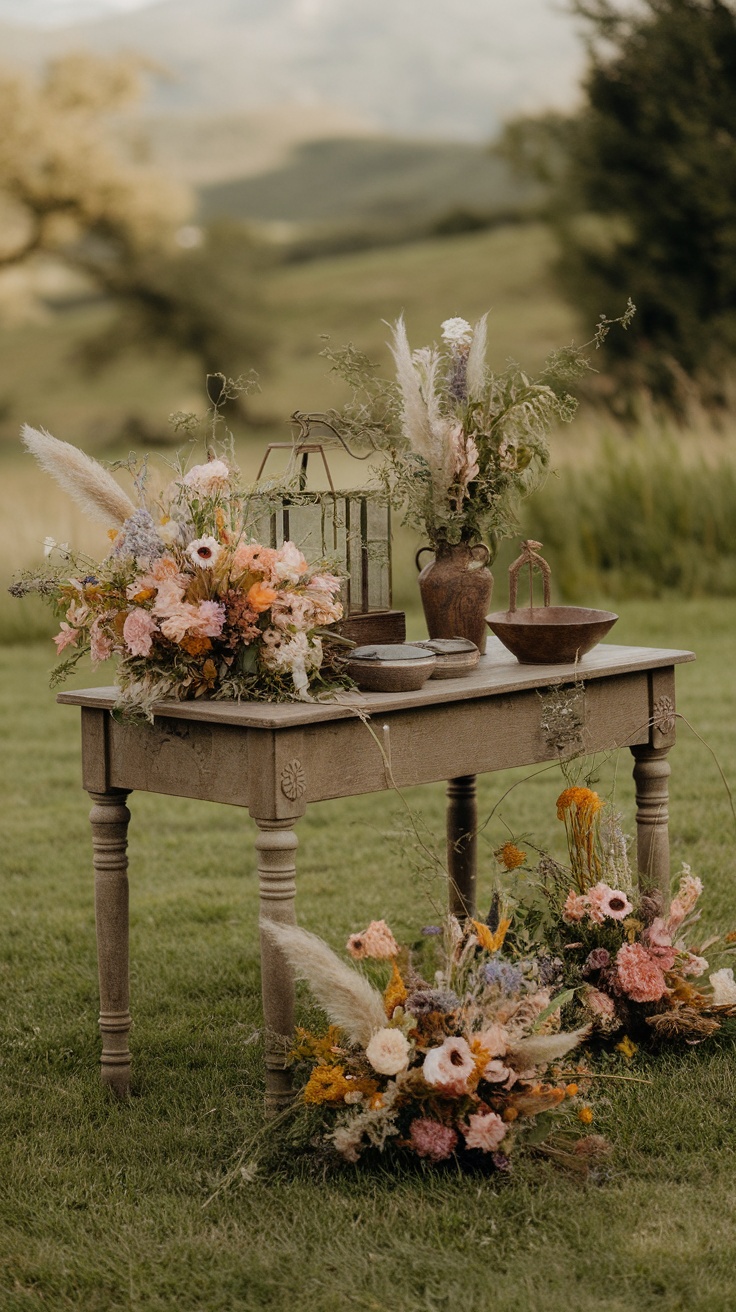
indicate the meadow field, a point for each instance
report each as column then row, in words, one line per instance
column 102, row 1205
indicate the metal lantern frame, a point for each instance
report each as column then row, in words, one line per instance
column 354, row 526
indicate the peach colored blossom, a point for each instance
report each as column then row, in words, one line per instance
column 77, row 614
column 575, row 908
column 204, row 619
column 659, row 944
column 254, row 558
column 376, row 941
column 388, row 1051
column 100, row 645
column 638, row 974
column 494, row 1040
column 449, row 1067
column 138, row 631
column 690, row 889
column 694, row 965
column 260, row 597
column 291, row 609
column 485, row 1131
column 67, row 637
column 170, row 595
column 432, row 1139
column 496, row 1073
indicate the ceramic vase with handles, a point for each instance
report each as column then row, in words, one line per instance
column 456, row 590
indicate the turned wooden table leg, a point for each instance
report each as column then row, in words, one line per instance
column 651, row 776
column 462, row 825
column 109, row 818
column 276, row 845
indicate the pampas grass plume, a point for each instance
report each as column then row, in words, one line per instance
column 541, row 1049
column 84, row 479
column 476, row 373
column 349, row 1000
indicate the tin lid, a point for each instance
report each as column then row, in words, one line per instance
column 391, row 651
column 448, row 646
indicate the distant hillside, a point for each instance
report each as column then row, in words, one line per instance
column 374, row 181
column 426, row 68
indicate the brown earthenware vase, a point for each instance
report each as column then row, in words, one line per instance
column 456, row 589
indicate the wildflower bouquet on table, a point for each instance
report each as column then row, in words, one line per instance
column 634, row 964
column 455, row 1057
column 463, row 443
column 186, row 599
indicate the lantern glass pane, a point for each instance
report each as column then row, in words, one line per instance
column 379, row 556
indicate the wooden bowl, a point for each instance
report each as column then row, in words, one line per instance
column 390, row 667
column 551, row 635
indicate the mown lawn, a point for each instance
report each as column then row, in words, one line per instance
column 101, row 1204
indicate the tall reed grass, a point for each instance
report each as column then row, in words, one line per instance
column 642, row 519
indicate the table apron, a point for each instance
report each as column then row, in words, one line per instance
column 275, row 772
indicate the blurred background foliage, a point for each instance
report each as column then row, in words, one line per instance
column 134, row 259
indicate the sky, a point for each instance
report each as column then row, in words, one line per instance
column 52, row 13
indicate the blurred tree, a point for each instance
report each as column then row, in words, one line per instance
column 69, row 189
column 643, row 186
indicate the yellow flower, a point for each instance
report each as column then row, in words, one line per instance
column 396, row 992
column 571, row 1090
column 486, row 937
column 510, row 856
column 326, row 1084
column 586, row 1115
column 627, row 1048
column 586, row 803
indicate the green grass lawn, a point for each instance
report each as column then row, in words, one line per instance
column 101, row 1205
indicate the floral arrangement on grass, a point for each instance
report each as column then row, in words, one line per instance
column 455, row 1057
column 634, row 964
column 462, row 442
column 185, row 599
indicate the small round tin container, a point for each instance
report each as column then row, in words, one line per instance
column 391, row 667
column 455, row 656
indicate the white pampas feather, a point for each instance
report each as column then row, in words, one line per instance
column 476, row 372
column 541, row 1049
column 350, row 1002
column 91, row 486
column 415, row 417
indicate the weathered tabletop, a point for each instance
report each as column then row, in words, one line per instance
column 275, row 758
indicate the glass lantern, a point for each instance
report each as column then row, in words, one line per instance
column 350, row 528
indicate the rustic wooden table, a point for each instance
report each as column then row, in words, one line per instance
column 274, row 759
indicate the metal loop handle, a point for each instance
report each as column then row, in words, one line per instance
column 481, row 546
column 421, row 552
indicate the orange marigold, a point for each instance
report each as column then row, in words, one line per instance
column 327, row 1084
column 586, row 1115
column 511, row 856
